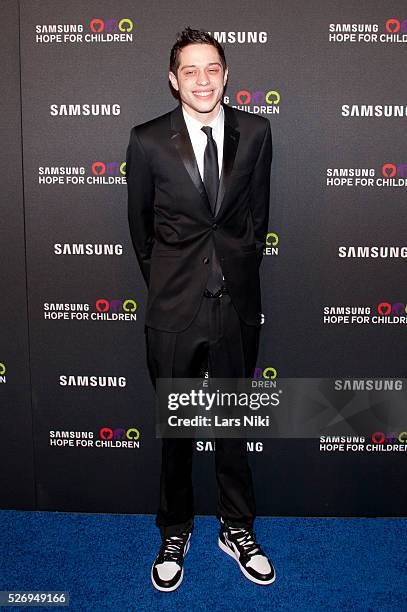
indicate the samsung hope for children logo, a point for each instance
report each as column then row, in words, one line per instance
column 93, row 173
column 388, row 175
column 393, row 31
column 112, row 30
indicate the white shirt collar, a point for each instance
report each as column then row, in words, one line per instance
column 193, row 124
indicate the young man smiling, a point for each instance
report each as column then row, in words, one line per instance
column 198, row 203
column 199, row 78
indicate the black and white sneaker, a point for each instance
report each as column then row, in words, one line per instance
column 167, row 571
column 240, row 543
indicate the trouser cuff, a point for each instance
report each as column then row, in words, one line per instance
column 173, row 530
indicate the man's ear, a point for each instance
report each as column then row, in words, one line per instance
column 173, row 81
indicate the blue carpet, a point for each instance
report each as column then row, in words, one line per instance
column 104, row 562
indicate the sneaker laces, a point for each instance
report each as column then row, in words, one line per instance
column 172, row 548
column 246, row 540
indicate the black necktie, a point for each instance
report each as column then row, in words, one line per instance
column 211, row 182
column 211, row 168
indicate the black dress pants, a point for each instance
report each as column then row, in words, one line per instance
column 216, row 337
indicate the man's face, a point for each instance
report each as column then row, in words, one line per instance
column 200, row 81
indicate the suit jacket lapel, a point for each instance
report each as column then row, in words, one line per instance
column 182, row 142
column 230, row 144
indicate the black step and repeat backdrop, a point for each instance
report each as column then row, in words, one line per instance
column 77, row 406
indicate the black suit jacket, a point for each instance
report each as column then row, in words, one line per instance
column 173, row 228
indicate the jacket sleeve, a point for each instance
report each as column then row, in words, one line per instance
column 140, row 190
column 260, row 192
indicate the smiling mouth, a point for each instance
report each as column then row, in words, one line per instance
column 203, row 94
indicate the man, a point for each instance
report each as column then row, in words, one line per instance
column 198, row 202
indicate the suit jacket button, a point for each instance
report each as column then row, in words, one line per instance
column 206, row 260
column 214, row 226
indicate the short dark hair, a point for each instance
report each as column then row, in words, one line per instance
column 193, row 37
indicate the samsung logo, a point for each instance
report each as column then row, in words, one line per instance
column 84, row 110
column 209, row 446
column 87, row 249
column 374, row 384
column 59, row 27
column 353, row 27
column 370, row 110
column 92, row 381
column 240, row 37
column 383, row 252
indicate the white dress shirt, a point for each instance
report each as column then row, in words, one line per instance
column 199, row 138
